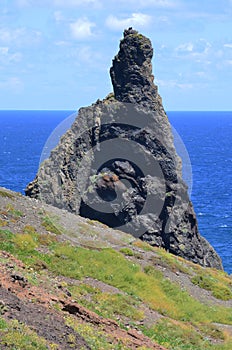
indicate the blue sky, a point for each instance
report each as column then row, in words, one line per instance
column 56, row 54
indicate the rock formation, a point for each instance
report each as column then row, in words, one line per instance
column 117, row 163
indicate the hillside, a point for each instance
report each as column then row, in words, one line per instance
column 72, row 283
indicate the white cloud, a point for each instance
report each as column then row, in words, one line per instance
column 14, row 84
column 82, row 28
column 7, row 57
column 23, row 3
column 8, row 35
column 201, row 74
column 173, row 84
column 62, row 43
column 151, row 3
column 75, row 3
column 160, row 3
column 29, row 3
column 198, row 49
column 228, row 62
column 136, row 20
column 19, row 36
column 4, row 51
column 187, row 47
column 85, row 54
column 228, row 46
column 58, row 16
column 58, row 3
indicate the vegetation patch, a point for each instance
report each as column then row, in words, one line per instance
column 96, row 338
column 6, row 240
column 177, row 335
column 186, row 320
column 30, row 230
column 171, row 261
column 47, row 239
column 6, row 194
column 25, row 242
column 209, row 282
column 85, row 229
column 51, row 225
column 3, row 223
column 106, row 304
column 11, row 213
column 143, row 245
column 127, row 251
column 113, row 268
column 150, row 286
column 15, row 335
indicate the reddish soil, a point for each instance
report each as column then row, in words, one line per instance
column 33, row 306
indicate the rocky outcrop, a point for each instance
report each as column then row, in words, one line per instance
column 131, row 73
column 118, row 164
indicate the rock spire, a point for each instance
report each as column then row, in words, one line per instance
column 118, row 164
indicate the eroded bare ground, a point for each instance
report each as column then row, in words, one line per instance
column 46, row 307
column 34, row 306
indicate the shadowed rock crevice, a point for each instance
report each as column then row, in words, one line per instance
column 118, row 164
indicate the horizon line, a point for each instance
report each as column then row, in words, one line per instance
column 76, row 110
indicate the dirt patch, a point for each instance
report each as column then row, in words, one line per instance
column 131, row 337
column 44, row 322
column 33, row 306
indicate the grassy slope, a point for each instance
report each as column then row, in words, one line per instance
column 114, row 275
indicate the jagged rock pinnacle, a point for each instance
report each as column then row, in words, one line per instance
column 117, row 163
column 131, row 72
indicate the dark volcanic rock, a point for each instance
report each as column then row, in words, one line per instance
column 131, row 72
column 117, row 163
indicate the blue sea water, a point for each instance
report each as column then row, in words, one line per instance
column 206, row 136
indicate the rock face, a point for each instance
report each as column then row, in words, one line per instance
column 131, row 73
column 118, row 164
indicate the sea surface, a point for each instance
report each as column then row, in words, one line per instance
column 203, row 140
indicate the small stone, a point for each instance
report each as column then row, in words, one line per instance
column 2, row 303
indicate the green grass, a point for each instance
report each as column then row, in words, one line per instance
column 173, row 336
column 209, row 282
column 51, row 225
column 11, row 212
column 25, row 242
column 17, row 336
column 106, row 304
column 113, row 268
column 127, row 251
column 6, row 194
column 143, row 245
column 184, row 336
column 3, row 223
column 6, row 240
column 3, row 324
column 191, row 320
column 96, row 338
column 171, row 261
column 85, row 229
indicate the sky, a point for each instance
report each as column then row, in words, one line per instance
column 56, row 54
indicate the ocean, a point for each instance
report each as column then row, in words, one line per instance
column 205, row 135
